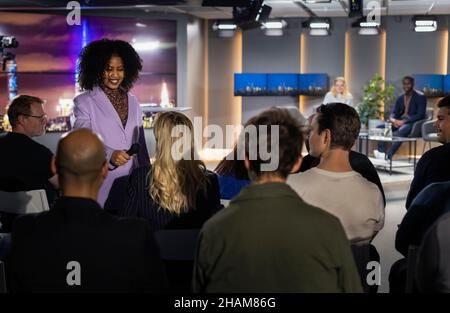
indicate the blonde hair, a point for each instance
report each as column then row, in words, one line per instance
column 334, row 92
column 174, row 184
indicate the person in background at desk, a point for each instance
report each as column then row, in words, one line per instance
column 107, row 71
column 25, row 164
column 409, row 108
column 339, row 93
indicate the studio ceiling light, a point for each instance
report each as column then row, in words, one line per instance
column 318, row 26
column 366, row 27
column 425, row 23
column 274, row 24
column 224, row 25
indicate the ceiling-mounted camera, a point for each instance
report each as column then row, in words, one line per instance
column 8, row 42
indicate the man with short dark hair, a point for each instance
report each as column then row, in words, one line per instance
column 335, row 128
column 268, row 239
column 77, row 246
column 434, row 165
column 409, row 108
column 25, row 164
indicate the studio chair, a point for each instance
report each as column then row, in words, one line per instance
column 13, row 204
column 177, row 250
column 363, row 254
column 416, row 131
column 429, row 134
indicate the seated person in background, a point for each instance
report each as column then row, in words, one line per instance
column 173, row 193
column 434, row 165
column 339, row 93
column 333, row 185
column 409, row 108
column 268, row 239
column 232, row 175
column 359, row 162
column 77, row 246
column 25, row 164
column 433, row 265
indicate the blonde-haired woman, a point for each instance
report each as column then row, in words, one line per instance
column 339, row 93
column 174, row 191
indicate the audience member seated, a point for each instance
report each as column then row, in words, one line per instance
column 176, row 191
column 409, row 108
column 359, row 162
column 433, row 268
column 333, row 185
column 77, row 246
column 434, row 165
column 25, row 164
column 269, row 239
column 426, row 208
column 232, row 175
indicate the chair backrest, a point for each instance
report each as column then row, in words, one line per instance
column 23, row 202
column 428, row 129
column 2, row 278
column 429, row 114
column 363, row 254
column 177, row 244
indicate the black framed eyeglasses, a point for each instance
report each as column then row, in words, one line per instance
column 36, row 116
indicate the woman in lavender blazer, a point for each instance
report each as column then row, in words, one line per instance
column 107, row 71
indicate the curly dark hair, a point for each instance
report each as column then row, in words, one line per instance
column 94, row 58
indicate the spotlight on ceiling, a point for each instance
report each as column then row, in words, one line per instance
column 274, row 27
column 318, row 26
column 366, row 27
column 224, row 28
column 425, row 23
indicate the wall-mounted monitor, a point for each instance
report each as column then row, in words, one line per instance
column 250, row 84
column 282, row 84
column 446, row 85
column 432, row 85
column 313, row 84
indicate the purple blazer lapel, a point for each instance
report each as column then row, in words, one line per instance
column 103, row 104
column 131, row 112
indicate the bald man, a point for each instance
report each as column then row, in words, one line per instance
column 77, row 246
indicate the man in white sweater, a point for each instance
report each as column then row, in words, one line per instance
column 333, row 186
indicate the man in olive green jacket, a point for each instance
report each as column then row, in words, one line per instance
column 269, row 239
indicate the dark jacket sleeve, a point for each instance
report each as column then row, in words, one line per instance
column 426, row 208
column 418, row 109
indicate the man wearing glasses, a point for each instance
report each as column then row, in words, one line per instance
column 24, row 163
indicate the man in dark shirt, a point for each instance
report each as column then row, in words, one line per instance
column 25, row 164
column 409, row 108
column 434, row 165
column 77, row 246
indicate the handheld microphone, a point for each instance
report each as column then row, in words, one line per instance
column 133, row 149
